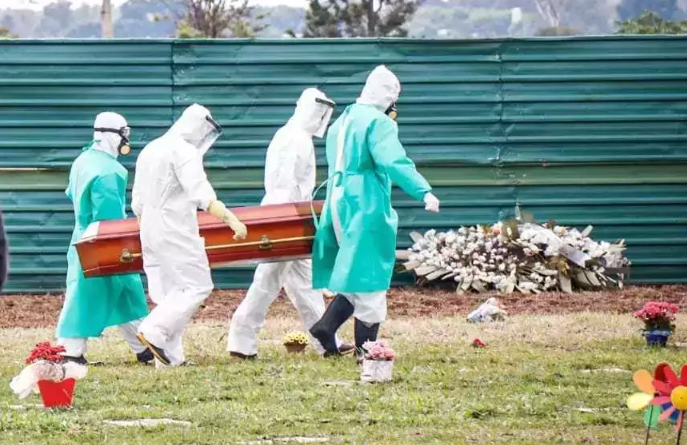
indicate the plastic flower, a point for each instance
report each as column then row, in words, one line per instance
column 657, row 315
column 477, row 343
column 296, row 337
column 378, row 350
column 46, row 351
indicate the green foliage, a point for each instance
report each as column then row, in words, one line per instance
column 665, row 9
column 433, row 18
column 363, row 18
column 320, row 21
column 651, row 23
column 218, row 18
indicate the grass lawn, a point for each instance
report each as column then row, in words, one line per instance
column 541, row 379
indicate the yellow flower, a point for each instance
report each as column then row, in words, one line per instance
column 296, row 337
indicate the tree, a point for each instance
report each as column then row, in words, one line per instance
column 218, row 18
column 651, row 23
column 57, row 20
column 633, row 9
column 359, row 18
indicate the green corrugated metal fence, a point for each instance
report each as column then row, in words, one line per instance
column 583, row 130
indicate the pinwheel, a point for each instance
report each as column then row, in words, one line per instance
column 664, row 395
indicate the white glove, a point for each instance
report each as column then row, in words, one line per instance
column 431, row 203
column 239, row 228
column 220, row 211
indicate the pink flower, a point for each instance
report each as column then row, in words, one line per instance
column 378, row 350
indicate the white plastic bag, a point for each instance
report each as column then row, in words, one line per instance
column 376, row 370
column 25, row 383
column 488, row 311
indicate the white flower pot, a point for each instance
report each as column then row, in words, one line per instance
column 376, row 370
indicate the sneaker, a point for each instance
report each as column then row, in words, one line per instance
column 159, row 353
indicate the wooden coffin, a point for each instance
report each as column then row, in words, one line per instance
column 275, row 233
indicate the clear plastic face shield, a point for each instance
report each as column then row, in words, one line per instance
column 124, row 133
column 208, row 133
column 327, row 108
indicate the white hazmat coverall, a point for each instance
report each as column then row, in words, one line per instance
column 107, row 142
column 169, row 187
column 290, row 176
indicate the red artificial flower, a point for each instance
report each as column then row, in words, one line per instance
column 477, row 343
column 46, row 351
column 657, row 311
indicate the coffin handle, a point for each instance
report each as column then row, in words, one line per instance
column 126, row 257
column 265, row 243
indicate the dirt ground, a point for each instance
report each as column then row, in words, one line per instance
column 31, row 311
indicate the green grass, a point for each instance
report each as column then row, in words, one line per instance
column 526, row 387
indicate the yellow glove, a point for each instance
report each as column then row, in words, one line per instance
column 220, row 211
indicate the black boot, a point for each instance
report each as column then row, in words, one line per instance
column 242, row 356
column 81, row 360
column 78, row 360
column 159, row 353
column 145, row 357
column 338, row 311
column 363, row 333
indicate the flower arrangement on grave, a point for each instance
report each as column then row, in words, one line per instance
column 517, row 255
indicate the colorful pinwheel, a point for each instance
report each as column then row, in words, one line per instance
column 665, row 390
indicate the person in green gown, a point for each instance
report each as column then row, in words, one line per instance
column 355, row 245
column 97, row 189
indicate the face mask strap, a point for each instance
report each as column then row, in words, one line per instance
column 124, row 144
column 214, row 124
column 326, row 102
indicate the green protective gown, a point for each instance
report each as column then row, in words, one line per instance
column 97, row 188
column 372, row 159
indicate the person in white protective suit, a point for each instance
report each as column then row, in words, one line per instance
column 169, row 187
column 290, row 172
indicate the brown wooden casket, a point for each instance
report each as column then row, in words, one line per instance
column 275, row 233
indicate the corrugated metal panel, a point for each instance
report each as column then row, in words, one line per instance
column 584, row 130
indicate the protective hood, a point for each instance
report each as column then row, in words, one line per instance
column 381, row 89
column 197, row 127
column 109, row 140
column 313, row 112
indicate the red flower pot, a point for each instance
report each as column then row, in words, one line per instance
column 57, row 394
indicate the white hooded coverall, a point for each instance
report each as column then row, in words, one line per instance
column 290, row 176
column 107, row 143
column 169, row 187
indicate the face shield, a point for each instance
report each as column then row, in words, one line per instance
column 124, row 147
column 326, row 108
column 207, row 134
